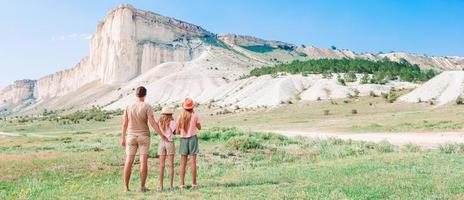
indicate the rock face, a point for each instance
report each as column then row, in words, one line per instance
column 175, row 59
column 16, row 93
column 62, row 82
column 130, row 41
column 126, row 44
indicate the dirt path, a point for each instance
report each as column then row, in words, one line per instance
column 9, row 134
column 4, row 134
column 427, row 140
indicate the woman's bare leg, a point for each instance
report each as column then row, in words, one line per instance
column 193, row 168
column 183, row 164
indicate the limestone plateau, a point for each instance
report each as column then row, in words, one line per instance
column 176, row 59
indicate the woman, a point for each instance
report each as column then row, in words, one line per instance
column 188, row 125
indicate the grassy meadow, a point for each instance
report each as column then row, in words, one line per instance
column 49, row 159
column 357, row 115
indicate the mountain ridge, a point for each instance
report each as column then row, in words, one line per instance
column 130, row 42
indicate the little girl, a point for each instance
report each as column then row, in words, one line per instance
column 166, row 148
column 188, row 125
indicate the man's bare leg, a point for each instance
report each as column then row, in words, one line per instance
column 128, row 171
column 143, row 171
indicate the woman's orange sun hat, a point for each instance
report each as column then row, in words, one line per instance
column 188, row 104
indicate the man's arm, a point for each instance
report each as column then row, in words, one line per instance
column 155, row 125
column 125, row 124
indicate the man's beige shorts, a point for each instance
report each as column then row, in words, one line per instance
column 134, row 142
column 166, row 148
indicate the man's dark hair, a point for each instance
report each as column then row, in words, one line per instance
column 141, row 91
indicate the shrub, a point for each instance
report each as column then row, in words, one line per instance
column 354, row 111
column 449, row 148
column 372, row 94
column 259, row 48
column 379, row 77
column 384, row 95
column 365, row 79
column 229, row 153
column 243, row 143
column 411, row 148
column 302, row 54
column 356, row 93
column 384, row 147
column 459, row 100
column 220, row 134
column 326, row 112
column 340, row 80
column 350, row 77
column 327, row 74
column 392, row 96
column 97, row 149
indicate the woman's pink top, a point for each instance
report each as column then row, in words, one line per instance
column 192, row 129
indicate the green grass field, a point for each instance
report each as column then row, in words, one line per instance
column 49, row 160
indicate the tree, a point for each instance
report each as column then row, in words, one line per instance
column 381, row 71
column 365, row 78
column 333, row 47
column 459, row 100
column 379, row 78
column 340, row 80
column 350, row 77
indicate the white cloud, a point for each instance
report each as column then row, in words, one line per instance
column 72, row 36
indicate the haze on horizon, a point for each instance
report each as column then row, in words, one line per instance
column 48, row 36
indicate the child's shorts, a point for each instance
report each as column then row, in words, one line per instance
column 166, row 148
column 188, row 146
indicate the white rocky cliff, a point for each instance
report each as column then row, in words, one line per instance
column 19, row 92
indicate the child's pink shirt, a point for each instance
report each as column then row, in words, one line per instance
column 192, row 130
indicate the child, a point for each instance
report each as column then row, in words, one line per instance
column 166, row 148
column 188, row 125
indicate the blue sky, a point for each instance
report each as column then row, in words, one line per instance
column 42, row 37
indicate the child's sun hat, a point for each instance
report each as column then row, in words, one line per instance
column 188, row 104
column 167, row 110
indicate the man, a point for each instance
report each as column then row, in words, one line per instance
column 136, row 136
